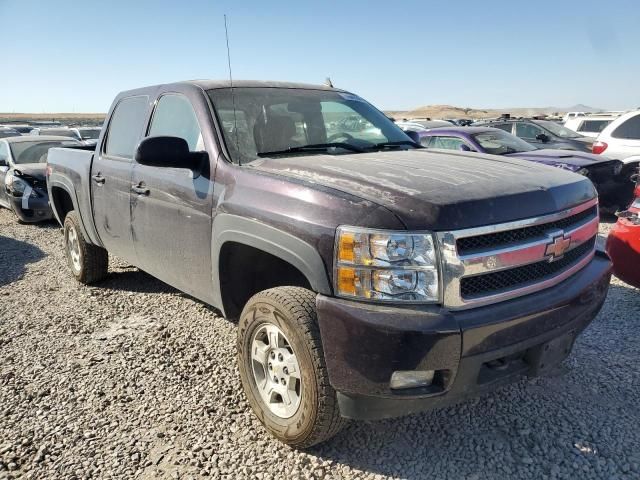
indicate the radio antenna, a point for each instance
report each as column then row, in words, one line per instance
column 233, row 97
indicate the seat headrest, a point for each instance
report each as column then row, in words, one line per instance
column 273, row 132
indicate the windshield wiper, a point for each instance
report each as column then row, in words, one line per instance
column 317, row 147
column 397, row 143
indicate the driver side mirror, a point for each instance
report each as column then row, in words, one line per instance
column 465, row 148
column 542, row 137
column 4, row 162
column 170, row 152
column 413, row 135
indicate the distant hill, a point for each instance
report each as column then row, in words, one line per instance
column 449, row 111
column 93, row 118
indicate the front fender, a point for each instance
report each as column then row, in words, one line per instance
column 297, row 252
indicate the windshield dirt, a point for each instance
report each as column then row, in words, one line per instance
column 288, row 121
column 501, row 143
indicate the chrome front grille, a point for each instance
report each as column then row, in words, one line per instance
column 494, row 263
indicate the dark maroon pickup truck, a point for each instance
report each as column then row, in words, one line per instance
column 370, row 277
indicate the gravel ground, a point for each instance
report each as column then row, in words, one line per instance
column 131, row 378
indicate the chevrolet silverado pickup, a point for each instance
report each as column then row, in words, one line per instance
column 370, row 277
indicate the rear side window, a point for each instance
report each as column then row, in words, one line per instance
column 629, row 129
column 593, row 126
column 125, row 127
column 174, row 117
column 502, row 126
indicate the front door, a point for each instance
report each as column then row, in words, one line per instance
column 111, row 176
column 171, row 207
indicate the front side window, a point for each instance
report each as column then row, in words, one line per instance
column 125, row 127
column 447, row 143
column 527, row 130
column 507, row 127
column 629, row 130
column 271, row 122
column 174, row 117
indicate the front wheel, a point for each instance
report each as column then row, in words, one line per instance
column 282, row 367
column 89, row 263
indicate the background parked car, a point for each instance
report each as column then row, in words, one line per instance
column 8, row 132
column 623, row 242
column 22, row 129
column 621, row 139
column 543, row 134
column 570, row 115
column 23, row 187
column 85, row 135
column 590, row 126
column 604, row 173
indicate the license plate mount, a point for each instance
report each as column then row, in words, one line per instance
column 549, row 355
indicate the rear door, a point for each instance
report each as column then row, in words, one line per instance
column 111, row 175
column 171, row 218
column 4, row 155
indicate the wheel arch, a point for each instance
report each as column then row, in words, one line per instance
column 296, row 255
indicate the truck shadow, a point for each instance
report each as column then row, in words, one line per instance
column 136, row 281
column 14, row 257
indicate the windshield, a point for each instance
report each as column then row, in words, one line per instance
column 499, row 142
column 89, row 134
column 558, row 130
column 35, row 152
column 269, row 120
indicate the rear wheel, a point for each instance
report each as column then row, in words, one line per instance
column 89, row 263
column 282, row 367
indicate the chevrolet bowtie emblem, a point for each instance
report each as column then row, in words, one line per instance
column 557, row 247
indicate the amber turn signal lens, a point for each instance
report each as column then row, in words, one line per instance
column 346, row 247
column 346, row 281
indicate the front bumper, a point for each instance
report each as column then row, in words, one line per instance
column 471, row 351
column 32, row 209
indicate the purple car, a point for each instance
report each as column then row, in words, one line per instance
column 614, row 191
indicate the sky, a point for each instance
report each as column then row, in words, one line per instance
column 75, row 56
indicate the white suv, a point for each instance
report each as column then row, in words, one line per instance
column 621, row 140
column 590, row 126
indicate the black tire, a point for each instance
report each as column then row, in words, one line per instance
column 293, row 311
column 93, row 263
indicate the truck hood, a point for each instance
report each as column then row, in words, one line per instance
column 35, row 170
column 570, row 159
column 440, row 191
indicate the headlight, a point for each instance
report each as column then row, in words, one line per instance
column 16, row 186
column 386, row 265
column 583, row 171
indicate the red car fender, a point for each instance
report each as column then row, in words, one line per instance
column 623, row 246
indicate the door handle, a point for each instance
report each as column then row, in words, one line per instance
column 140, row 189
column 99, row 179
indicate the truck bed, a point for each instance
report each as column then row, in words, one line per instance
column 71, row 168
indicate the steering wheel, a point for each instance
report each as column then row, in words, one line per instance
column 336, row 136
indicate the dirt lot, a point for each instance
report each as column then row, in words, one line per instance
column 131, row 378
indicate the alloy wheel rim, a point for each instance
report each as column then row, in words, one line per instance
column 276, row 371
column 73, row 248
